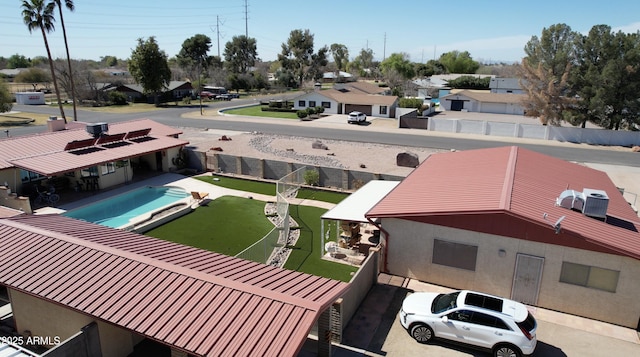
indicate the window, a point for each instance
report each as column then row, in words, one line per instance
column 28, row 176
column 302, row 103
column 326, row 105
column 456, row 255
column 89, row 172
column 383, row 109
column 108, row 168
column 312, row 103
column 590, row 277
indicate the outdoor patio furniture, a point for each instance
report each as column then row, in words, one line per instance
column 199, row 196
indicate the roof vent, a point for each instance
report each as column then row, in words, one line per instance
column 571, row 199
column 97, row 129
column 596, row 203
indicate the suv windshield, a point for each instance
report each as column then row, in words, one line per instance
column 444, row 302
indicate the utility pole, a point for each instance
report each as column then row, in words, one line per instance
column 384, row 48
column 246, row 18
column 218, row 33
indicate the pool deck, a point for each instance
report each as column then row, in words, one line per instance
column 167, row 179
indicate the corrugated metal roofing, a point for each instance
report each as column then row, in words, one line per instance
column 35, row 151
column 514, row 182
column 193, row 300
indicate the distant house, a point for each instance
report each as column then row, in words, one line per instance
column 516, row 223
column 338, row 76
column 347, row 97
column 505, row 86
column 483, row 102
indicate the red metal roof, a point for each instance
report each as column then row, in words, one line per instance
column 197, row 301
column 507, row 183
column 45, row 153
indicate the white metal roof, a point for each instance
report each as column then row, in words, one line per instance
column 354, row 207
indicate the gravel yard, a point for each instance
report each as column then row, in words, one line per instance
column 355, row 156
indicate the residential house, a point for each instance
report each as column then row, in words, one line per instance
column 347, row 97
column 337, row 76
column 107, row 292
column 483, row 102
column 513, row 222
column 505, row 85
column 87, row 156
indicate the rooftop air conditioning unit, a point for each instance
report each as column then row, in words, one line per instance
column 97, row 129
column 596, row 203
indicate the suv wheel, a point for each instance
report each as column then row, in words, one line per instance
column 422, row 333
column 506, row 351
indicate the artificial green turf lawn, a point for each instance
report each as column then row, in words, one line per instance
column 226, row 225
column 256, row 111
column 267, row 188
column 230, row 224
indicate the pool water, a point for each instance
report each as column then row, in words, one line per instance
column 119, row 210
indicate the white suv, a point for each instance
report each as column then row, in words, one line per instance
column 501, row 325
column 356, row 117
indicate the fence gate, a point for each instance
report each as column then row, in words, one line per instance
column 527, row 278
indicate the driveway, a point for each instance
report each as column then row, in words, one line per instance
column 375, row 330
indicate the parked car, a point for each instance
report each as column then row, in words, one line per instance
column 224, row 96
column 356, row 117
column 500, row 325
column 207, row 95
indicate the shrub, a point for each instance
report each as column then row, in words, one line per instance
column 410, row 103
column 311, row 111
column 311, row 177
column 117, row 98
column 319, row 110
column 302, row 113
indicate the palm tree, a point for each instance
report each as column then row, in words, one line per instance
column 69, row 5
column 37, row 14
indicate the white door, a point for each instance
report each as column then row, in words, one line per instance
column 526, row 279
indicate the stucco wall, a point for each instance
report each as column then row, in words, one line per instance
column 46, row 319
column 410, row 249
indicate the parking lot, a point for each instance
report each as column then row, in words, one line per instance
column 376, row 331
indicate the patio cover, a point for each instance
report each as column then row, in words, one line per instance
column 354, row 207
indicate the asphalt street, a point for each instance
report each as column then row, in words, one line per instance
column 189, row 117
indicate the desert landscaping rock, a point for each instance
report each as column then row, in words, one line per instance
column 407, row 159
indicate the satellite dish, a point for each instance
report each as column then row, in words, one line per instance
column 557, row 226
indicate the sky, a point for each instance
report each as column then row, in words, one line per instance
column 492, row 31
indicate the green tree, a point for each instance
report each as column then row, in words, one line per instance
column 193, row 57
column 340, row 55
column 545, row 74
column 459, row 62
column 37, row 14
column 18, row 61
column 109, row 61
column 69, row 5
column 606, row 79
column 149, row 67
column 298, row 57
column 470, row 82
column 32, row 75
column 362, row 64
column 6, row 99
column 400, row 63
column 240, row 54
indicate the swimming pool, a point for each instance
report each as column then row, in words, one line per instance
column 118, row 211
